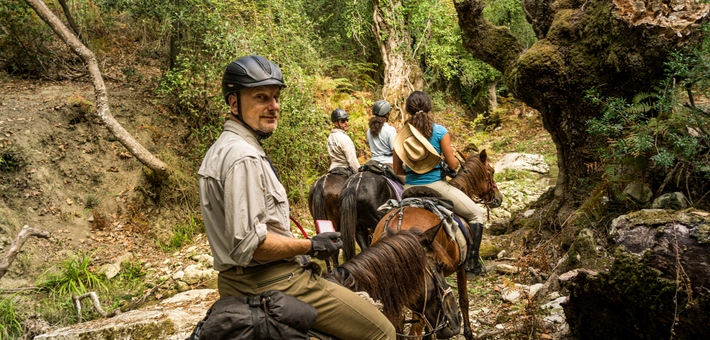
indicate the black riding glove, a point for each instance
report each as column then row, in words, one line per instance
column 325, row 245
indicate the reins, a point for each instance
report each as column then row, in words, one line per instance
column 422, row 316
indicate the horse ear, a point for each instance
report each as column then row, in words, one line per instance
column 428, row 236
column 483, row 156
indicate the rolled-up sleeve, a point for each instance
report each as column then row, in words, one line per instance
column 245, row 223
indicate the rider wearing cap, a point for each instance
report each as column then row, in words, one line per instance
column 340, row 147
column 246, row 213
column 380, row 135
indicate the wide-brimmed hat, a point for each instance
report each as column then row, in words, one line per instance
column 415, row 150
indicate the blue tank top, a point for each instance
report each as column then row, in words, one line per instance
column 434, row 175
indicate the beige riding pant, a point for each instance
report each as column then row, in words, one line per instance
column 341, row 312
column 463, row 205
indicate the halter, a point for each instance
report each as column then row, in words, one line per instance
column 422, row 317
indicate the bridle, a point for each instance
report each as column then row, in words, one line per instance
column 492, row 186
column 441, row 292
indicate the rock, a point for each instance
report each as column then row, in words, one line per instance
column 178, row 275
column 502, row 254
column 507, row 269
column 673, row 201
column 512, row 294
column 193, row 274
column 498, row 227
column 523, row 162
column 529, row 213
column 639, row 192
column 534, row 289
column 181, row 286
column 172, row 319
column 583, row 253
column 552, row 285
column 110, row 270
column 554, row 305
column 639, row 297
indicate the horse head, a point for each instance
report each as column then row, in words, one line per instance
column 438, row 305
column 477, row 178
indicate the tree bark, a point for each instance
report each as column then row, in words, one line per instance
column 615, row 46
column 402, row 75
column 17, row 244
column 102, row 105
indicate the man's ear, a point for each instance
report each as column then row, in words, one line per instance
column 233, row 102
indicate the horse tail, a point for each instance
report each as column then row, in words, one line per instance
column 318, row 202
column 348, row 219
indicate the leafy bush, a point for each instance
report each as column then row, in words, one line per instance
column 664, row 130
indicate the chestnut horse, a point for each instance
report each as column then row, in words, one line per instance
column 401, row 271
column 324, row 204
column 476, row 180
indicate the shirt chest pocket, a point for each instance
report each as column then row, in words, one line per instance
column 277, row 206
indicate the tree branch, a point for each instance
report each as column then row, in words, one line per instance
column 70, row 19
column 95, row 302
column 17, row 244
column 494, row 45
column 102, row 106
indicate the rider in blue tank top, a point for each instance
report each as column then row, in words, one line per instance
column 434, row 175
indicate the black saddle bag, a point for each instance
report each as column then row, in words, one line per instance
column 270, row 315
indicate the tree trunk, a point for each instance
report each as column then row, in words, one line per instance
column 102, row 106
column 492, row 97
column 402, row 75
column 17, row 244
column 617, row 47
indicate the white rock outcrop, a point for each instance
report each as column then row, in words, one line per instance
column 523, row 162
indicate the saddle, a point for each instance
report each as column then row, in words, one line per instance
column 376, row 167
column 347, row 172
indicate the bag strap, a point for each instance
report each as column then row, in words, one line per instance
column 254, row 303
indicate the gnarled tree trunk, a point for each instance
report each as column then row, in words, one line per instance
column 616, row 46
column 402, row 74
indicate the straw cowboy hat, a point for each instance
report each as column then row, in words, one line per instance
column 415, row 150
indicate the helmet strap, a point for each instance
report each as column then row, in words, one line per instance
column 259, row 135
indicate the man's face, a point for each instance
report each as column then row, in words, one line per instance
column 341, row 124
column 260, row 107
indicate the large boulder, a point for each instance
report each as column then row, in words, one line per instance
column 639, row 192
column 657, row 284
column 673, row 201
column 523, row 162
column 172, row 319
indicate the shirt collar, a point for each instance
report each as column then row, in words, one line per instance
column 243, row 132
column 338, row 130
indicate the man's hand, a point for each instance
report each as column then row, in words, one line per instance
column 325, row 245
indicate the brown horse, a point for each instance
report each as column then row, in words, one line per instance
column 476, row 180
column 324, row 203
column 400, row 273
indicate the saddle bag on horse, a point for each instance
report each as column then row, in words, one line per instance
column 270, row 315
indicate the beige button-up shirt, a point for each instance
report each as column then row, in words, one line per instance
column 342, row 151
column 241, row 198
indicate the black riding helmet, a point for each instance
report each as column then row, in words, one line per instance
column 246, row 72
column 338, row 114
column 381, row 108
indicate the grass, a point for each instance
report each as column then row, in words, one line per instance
column 182, row 235
column 74, row 277
column 91, row 202
column 10, row 326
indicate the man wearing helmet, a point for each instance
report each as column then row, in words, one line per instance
column 246, row 213
column 340, row 147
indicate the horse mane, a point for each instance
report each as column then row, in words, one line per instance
column 420, row 191
column 473, row 172
column 392, row 271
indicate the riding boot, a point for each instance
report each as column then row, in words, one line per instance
column 473, row 265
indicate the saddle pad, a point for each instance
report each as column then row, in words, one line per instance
column 461, row 226
column 461, row 241
column 398, row 188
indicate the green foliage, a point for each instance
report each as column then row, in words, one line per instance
column 510, row 13
column 10, row 327
column 182, row 234
column 74, row 277
column 91, row 202
column 131, row 270
column 23, row 39
column 664, row 127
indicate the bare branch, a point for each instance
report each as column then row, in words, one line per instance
column 102, row 106
column 17, row 244
column 95, row 302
